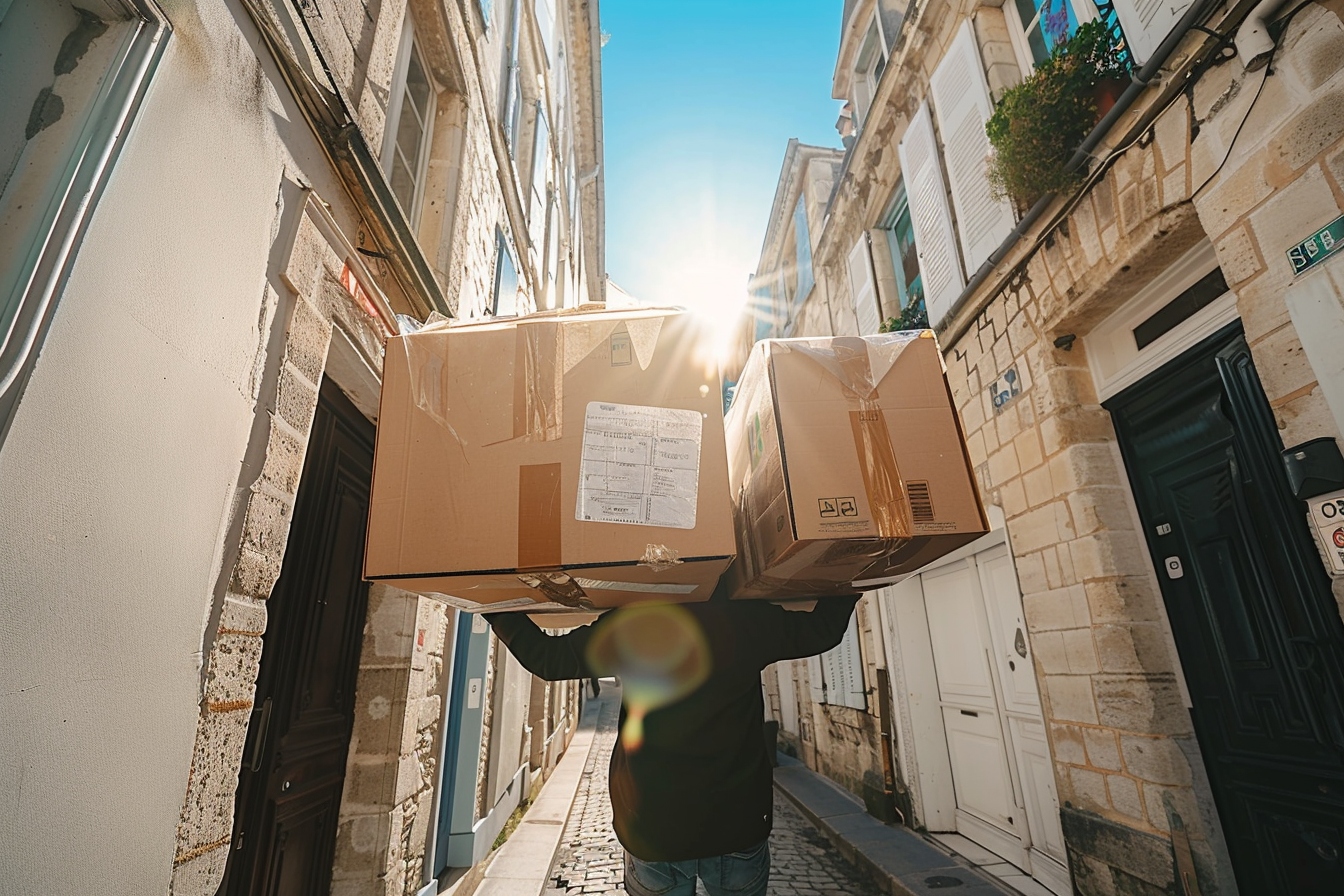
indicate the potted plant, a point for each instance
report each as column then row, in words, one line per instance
column 1039, row 123
column 913, row 317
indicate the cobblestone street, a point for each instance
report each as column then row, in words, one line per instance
column 590, row 860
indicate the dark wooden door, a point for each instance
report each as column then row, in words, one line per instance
column 289, row 790
column 1258, row 632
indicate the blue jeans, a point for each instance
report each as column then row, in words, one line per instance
column 732, row 874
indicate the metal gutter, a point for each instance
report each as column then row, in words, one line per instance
column 1138, row 83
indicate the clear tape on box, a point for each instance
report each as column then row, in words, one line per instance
column 548, row 345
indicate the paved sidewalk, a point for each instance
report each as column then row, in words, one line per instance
column 520, row 867
column 899, row 860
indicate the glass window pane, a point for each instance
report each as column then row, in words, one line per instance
column 403, row 185
column 410, row 136
column 1046, row 23
column 417, row 84
column 506, row 281
column 1057, row 22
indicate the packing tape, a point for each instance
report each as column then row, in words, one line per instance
column 428, row 374
column 538, row 380
column 859, row 363
column 558, row 587
column 882, row 483
column 539, row 516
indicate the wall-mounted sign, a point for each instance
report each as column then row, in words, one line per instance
column 1318, row 247
column 1327, row 515
column 1007, row 387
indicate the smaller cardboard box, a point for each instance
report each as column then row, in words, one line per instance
column 846, row 461
column 552, row 462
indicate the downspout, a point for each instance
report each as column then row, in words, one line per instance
column 1138, row 83
column 1253, row 43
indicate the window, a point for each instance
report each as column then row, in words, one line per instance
column 505, row 300
column 900, row 233
column 869, row 64
column 1040, row 24
column 546, row 24
column 409, row 116
column 803, row 252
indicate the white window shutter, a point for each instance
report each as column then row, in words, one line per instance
column 862, row 288
column 855, row 693
column 935, row 242
column 814, row 679
column 961, row 102
column 1146, row 23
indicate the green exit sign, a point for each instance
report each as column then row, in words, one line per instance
column 1318, row 247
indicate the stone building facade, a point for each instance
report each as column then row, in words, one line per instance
column 1129, row 361
column 214, row 214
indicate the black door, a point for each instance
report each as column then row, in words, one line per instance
column 289, row 788
column 1260, row 638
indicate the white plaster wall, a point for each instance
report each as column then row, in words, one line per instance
column 118, row 475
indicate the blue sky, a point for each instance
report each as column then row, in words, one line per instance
column 699, row 100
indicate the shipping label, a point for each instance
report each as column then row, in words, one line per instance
column 640, row 465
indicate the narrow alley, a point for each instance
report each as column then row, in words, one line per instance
column 931, row 411
column 589, row 861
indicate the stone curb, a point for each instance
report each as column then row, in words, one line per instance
column 898, row 860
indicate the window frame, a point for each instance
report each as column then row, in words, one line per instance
column 1083, row 12
column 408, row 48
column 899, row 207
column 870, row 61
column 504, row 253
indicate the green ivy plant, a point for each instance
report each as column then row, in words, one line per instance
column 913, row 317
column 1039, row 123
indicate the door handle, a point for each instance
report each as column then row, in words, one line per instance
column 261, row 720
column 967, row 712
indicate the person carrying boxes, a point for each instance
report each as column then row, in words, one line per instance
column 691, row 782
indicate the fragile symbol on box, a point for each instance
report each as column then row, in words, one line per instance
column 837, row 507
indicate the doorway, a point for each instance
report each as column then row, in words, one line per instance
column 979, row 749
column 293, row 772
column 1256, row 627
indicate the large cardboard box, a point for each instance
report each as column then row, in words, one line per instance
column 846, row 461
column 552, row 462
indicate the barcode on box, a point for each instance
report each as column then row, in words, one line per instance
column 921, row 504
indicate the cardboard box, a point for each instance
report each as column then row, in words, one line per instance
column 846, row 459
column 562, row 460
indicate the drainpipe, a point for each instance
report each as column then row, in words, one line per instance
column 1139, row 81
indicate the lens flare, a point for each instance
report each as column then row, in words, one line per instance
column 660, row 654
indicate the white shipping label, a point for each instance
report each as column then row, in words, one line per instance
column 640, row 465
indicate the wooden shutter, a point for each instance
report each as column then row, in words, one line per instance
column 962, row 105
column 935, row 242
column 1146, row 23
column 862, row 288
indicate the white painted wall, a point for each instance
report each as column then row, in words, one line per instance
column 118, row 477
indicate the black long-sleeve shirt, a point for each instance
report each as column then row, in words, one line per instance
column 700, row 783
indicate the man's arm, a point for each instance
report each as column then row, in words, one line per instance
column 549, row 657
column 791, row 635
